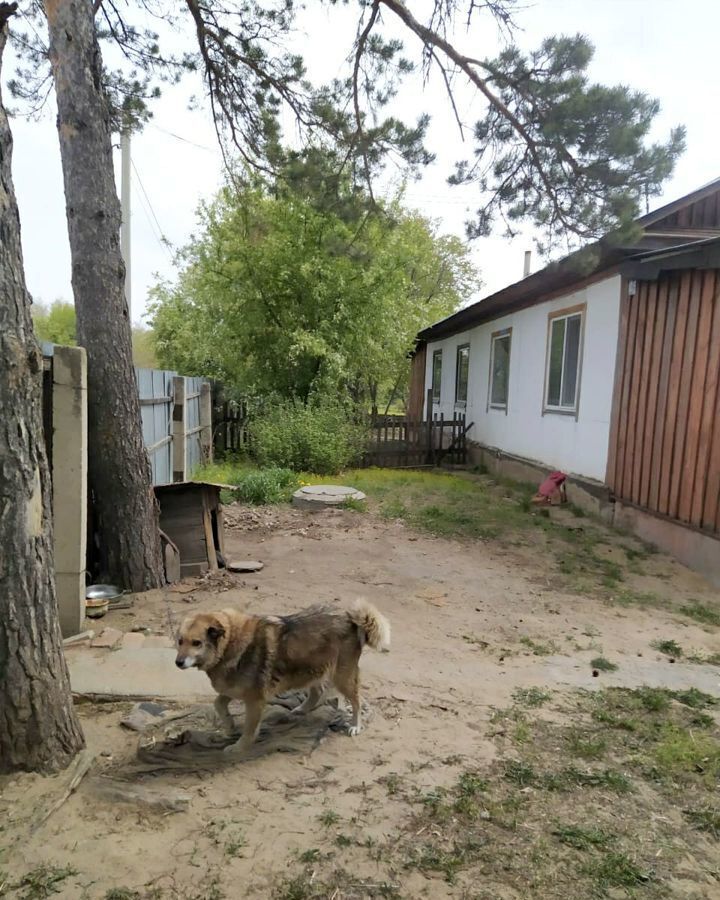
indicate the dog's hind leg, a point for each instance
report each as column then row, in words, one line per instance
column 347, row 681
column 315, row 695
column 221, row 711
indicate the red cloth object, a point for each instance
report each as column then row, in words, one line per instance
column 551, row 484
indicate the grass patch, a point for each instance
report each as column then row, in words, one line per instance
column 643, row 599
column 537, row 648
column 42, row 882
column 329, row 818
column 506, row 825
column 583, row 838
column 448, row 862
column 617, row 870
column 339, row 884
column 680, row 754
column 251, row 485
column 669, row 648
column 701, row 612
column 532, row 697
column 392, row 782
column 705, row 818
column 122, row 893
column 586, row 745
column 603, row 665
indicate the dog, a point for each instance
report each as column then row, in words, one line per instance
column 254, row 658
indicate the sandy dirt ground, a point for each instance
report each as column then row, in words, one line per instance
column 472, row 622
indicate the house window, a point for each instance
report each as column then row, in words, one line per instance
column 562, row 382
column 461, row 374
column 499, row 369
column 436, row 375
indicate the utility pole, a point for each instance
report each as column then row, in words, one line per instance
column 125, row 209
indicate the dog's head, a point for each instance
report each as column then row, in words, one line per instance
column 201, row 641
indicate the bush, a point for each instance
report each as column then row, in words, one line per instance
column 319, row 437
column 273, row 485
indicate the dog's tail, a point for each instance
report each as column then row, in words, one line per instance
column 373, row 623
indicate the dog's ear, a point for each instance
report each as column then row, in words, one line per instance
column 215, row 632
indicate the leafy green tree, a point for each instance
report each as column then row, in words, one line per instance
column 55, row 323
column 281, row 294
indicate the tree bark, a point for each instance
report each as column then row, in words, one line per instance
column 39, row 731
column 124, row 508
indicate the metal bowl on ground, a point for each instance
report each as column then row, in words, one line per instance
column 96, row 609
column 103, row 592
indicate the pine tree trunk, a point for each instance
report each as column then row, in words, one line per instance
column 124, row 508
column 38, row 728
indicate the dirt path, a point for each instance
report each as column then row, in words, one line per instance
column 473, row 623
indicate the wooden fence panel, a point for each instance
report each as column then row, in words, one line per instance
column 156, row 409
column 398, row 442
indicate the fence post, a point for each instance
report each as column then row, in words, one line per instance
column 178, row 430
column 206, row 423
column 69, row 483
column 428, row 416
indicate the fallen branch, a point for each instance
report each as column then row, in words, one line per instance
column 80, row 768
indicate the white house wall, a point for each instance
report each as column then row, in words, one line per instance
column 579, row 446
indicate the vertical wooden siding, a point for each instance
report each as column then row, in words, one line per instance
column 703, row 213
column 664, row 450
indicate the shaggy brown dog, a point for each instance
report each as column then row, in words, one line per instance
column 254, row 658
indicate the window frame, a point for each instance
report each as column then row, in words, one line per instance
column 437, row 354
column 495, row 336
column 566, row 313
column 458, row 349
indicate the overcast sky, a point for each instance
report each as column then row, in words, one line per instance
column 664, row 47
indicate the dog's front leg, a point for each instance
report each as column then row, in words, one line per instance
column 221, row 711
column 251, row 726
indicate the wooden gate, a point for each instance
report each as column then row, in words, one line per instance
column 398, row 442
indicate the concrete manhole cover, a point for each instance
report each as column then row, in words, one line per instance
column 244, row 565
column 320, row 496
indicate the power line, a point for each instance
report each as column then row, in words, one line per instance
column 161, row 239
column 179, row 137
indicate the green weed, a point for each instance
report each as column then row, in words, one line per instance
column 669, row 648
column 537, row 648
column 329, row 818
column 705, row 818
column 603, row 665
column 701, row 612
column 583, row 838
column 44, row 881
column 617, row 870
column 532, row 697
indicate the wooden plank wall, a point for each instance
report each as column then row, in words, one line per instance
column 703, row 213
column 665, row 436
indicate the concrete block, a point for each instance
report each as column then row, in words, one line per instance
column 159, row 641
column 136, row 674
column 108, row 637
column 69, row 462
column 133, row 640
column 70, row 589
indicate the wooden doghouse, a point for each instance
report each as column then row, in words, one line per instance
column 191, row 517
